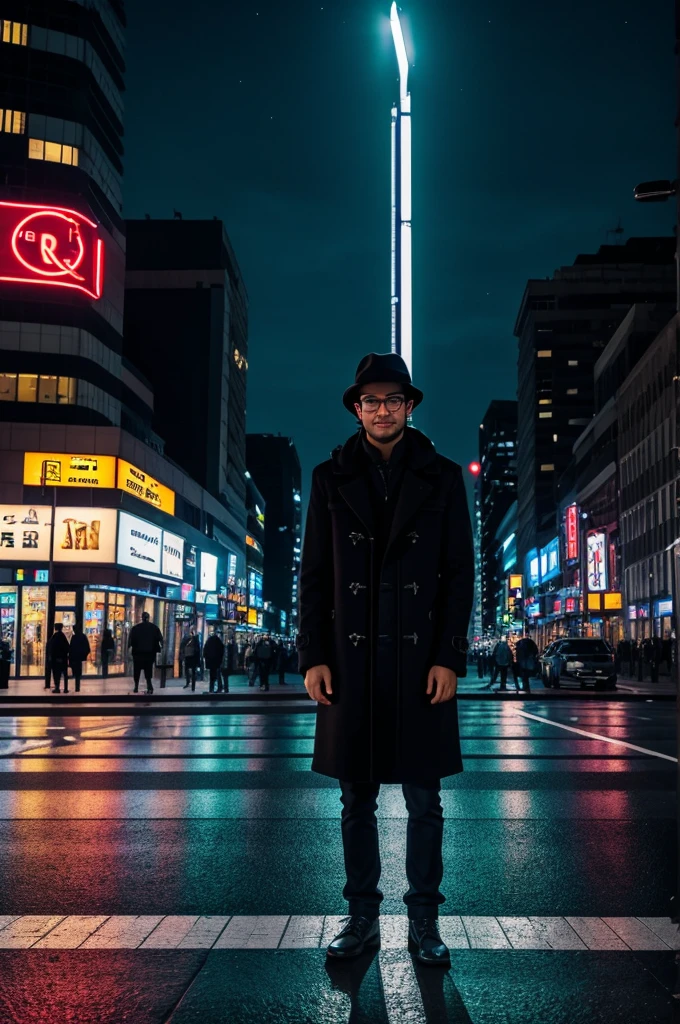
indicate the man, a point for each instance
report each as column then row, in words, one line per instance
column 145, row 642
column 57, row 657
column 190, row 651
column 526, row 654
column 386, row 591
column 213, row 653
column 264, row 657
column 502, row 657
column 78, row 652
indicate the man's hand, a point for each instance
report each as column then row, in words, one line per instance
column 313, row 680
column 446, row 682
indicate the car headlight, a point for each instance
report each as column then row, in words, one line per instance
column 574, row 664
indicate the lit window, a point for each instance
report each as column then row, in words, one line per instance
column 52, row 151
column 8, row 387
column 544, row 353
column 572, row 391
column 547, row 466
column 47, row 392
column 573, row 362
column 14, row 32
column 545, row 401
column 554, row 437
column 545, row 415
column 240, row 360
column 13, row 121
column 28, row 387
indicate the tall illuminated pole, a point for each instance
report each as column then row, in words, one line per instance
column 402, row 302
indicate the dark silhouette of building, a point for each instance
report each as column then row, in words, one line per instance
column 498, row 490
column 275, row 467
column 186, row 328
column 563, row 325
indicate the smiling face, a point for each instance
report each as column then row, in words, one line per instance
column 378, row 412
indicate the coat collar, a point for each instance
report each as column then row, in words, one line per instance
column 351, row 462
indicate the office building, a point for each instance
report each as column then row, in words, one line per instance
column 498, row 491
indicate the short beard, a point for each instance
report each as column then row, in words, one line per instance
column 385, row 439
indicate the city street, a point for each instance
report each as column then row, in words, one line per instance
column 189, row 868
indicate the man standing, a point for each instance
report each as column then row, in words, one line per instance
column 78, row 652
column 145, row 642
column 213, row 653
column 191, row 652
column 57, row 657
column 526, row 653
column 264, row 656
column 386, row 593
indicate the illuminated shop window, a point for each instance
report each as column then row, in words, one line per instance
column 31, row 387
column 14, row 32
column 12, row 121
column 573, row 362
column 54, row 152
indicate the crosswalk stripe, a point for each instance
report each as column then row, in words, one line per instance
column 301, row 931
column 596, row 736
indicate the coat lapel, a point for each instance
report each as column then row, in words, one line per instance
column 356, row 494
column 414, row 491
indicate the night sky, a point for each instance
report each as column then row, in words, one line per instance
column 532, row 122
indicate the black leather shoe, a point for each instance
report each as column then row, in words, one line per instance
column 425, row 942
column 357, row 934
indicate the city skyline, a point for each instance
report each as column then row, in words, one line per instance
column 287, row 186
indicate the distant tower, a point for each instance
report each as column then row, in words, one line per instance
column 402, row 303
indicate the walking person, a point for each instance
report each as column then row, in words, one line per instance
column 57, row 657
column 526, row 653
column 502, row 656
column 191, row 653
column 250, row 663
column 107, row 648
column 145, row 641
column 213, row 653
column 265, row 654
column 386, row 592
column 78, row 652
column 281, row 661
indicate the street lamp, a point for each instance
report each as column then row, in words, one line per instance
column 402, row 294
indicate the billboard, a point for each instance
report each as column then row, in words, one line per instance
column 172, row 561
column 550, row 560
column 136, row 481
column 596, row 561
column 84, row 535
column 59, row 470
column 25, row 533
column 208, row 580
column 571, row 527
column 140, row 544
column 52, row 246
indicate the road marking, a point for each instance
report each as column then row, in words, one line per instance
column 595, row 735
column 31, row 931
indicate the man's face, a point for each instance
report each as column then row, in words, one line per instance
column 382, row 423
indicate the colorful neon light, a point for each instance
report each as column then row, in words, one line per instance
column 55, row 245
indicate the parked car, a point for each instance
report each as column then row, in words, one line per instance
column 580, row 660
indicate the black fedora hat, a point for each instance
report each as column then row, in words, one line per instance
column 386, row 367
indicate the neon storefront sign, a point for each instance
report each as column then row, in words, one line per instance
column 50, row 245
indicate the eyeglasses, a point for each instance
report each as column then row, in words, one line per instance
column 392, row 403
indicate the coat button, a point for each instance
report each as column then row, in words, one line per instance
column 356, row 587
column 356, row 537
column 356, row 637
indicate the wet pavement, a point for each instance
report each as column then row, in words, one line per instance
column 171, row 869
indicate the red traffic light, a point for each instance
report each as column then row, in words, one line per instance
column 474, row 468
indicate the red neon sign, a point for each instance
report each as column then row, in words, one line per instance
column 572, row 532
column 50, row 245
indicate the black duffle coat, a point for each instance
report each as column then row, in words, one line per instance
column 381, row 628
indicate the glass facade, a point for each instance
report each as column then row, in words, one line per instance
column 34, row 607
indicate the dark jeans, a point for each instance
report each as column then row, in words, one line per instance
column 106, row 655
column 282, row 676
column 190, row 672
column 57, row 670
column 140, row 665
column 424, row 832
column 263, row 669
column 503, row 669
column 216, row 677
column 77, row 669
column 525, row 674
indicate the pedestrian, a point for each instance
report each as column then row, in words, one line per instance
column 386, row 592
column 213, row 653
column 480, row 663
column 265, row 654
column 78, row 651
column 5, row 662
column 145, row 641
column 191, row 653
column 526, row 653
column 107, row 648
column 502, row 656
column 281, row 660
column 250, row 663
column 57, row 657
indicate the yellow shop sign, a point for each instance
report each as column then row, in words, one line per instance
column 47, row 469
column 136, row 481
